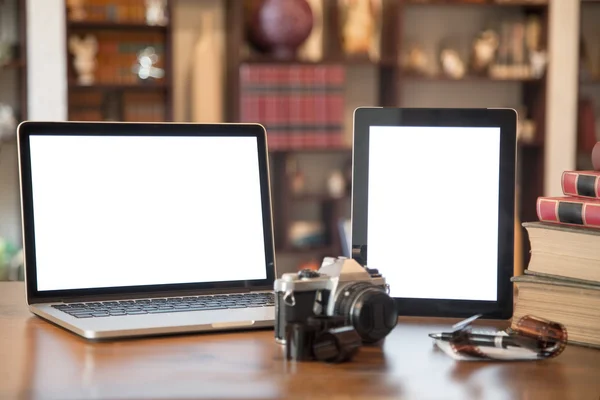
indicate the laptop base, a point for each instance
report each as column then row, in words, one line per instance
column 159, row 324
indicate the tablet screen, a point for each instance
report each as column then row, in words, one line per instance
column 433, row 210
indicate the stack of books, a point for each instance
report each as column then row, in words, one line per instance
column 562, row 281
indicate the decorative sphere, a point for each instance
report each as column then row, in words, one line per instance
column 279, row 27
column 596, row 156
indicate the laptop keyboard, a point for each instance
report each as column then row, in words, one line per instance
column 166, row 305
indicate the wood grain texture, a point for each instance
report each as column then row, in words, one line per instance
column 39, row 360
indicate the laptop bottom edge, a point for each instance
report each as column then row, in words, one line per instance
column 132, row 326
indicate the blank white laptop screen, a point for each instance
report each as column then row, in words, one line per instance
column 112, row 211
column 433, row 200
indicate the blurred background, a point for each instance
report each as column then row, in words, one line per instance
column 300, row 67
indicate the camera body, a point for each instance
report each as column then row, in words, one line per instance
column 341, row 287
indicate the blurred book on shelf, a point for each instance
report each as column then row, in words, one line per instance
column 148, row 107
column 122, row 11
column 86, row 106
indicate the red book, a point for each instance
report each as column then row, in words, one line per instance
column 581, row 184
column 569, row 211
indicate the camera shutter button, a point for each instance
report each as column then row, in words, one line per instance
column 308, row 273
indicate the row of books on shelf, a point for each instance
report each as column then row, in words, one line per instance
column 301, row 106
column 128, row 107
column 562, row 280
column 130, row 11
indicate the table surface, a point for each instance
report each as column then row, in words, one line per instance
column 40, row 360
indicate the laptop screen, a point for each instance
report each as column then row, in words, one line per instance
column 114, row 211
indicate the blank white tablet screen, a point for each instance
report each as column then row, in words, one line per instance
column 433, row 210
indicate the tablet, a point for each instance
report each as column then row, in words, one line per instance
column 433, row 199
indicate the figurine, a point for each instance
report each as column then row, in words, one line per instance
column 484, row 51
column 145, row 68
column 8, row 123
column 297, row 179
column 452, row 65
column 76, row 10
column 538, row 60
column 84, row 51
column 312, row 48
column 416, row 61
column 533, row 33
column 360, row 27
column 525, row 125
column 336, row 184
column 156, row 12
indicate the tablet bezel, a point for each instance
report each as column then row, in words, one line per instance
column 506, row 120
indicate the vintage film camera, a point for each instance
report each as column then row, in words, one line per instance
column 342, row 293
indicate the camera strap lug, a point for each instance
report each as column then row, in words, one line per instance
column 289, row 299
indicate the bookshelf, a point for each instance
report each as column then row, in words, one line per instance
column 122, row 88
column 13, row 75
column 401, row 21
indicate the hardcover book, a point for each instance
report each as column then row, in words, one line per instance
column 581, row 184
column 564, row 251
column 569, row 211
column 575, row 305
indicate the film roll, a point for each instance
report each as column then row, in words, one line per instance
column 551, row 335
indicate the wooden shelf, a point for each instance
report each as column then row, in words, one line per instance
column 467, row 78
column 326, row 61
column 15, row 64
column 530, row 145
column 312, row 150
column 96, row 25
column 116, row 86
column 522, row 3
column 304, row 250
column 317, row 197
column 592, row 81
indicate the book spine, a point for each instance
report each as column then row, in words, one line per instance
column 581, row 184
column 563, row 211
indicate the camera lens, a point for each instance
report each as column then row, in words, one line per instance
column 368, row 308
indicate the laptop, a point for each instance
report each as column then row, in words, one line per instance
column 135, row 229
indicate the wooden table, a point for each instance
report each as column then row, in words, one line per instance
column 40, row 360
